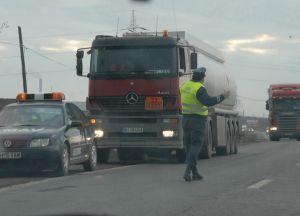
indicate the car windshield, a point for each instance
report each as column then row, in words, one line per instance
column 287, row 104
column 133, row 61
column 49, row 116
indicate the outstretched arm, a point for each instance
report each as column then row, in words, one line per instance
column 207, row 100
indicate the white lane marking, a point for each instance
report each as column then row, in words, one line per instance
column 298, row 164
column 109, row 169
column 28, row 184
column 260, row 184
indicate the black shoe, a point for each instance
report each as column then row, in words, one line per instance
column 187, row 174
column 196, row 175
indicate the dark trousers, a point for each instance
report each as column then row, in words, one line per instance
column 193, row 137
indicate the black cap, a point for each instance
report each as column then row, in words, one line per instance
column 199, row 73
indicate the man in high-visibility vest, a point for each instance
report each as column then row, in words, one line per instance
column 195, row 102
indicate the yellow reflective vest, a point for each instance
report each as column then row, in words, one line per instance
column 190, row 103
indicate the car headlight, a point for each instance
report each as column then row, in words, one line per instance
column 99, row 133
column 39, row 142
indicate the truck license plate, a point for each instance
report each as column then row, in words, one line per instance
column 132, row 130
column 10, row 155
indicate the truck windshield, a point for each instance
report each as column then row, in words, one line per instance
column 287, row 104
column 134, row 61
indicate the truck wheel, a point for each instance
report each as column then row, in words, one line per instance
column 224, row 150
column 181, row 155
column 64, row 162
column 228, row 149
column 235, row 143
column 103, row 155
column 206, row 151
column 91, row 163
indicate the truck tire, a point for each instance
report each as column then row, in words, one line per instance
column 225, row 150
column 236, row 140
column 181, row 155
column 91, row 163
column 206, row 151
column 64, row 162
column 103, row 155
column 228, row 149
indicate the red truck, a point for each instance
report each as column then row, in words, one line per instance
column 284, row 111
column 134, row 102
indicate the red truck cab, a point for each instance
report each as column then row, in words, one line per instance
column 284, row 111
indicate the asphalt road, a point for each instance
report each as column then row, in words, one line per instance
column 263, row 179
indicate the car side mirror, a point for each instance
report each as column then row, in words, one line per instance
column 194, row 60
column 267, row 105
column 75, row 124
column 79, row 56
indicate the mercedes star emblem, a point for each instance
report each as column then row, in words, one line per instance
column 132, row 98
column 7, row 143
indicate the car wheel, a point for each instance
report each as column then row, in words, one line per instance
column 63, row 166
column 91, row 163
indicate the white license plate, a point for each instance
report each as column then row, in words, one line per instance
column 10, row 155
column 132, row 130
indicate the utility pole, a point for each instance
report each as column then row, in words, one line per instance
column 22, row 60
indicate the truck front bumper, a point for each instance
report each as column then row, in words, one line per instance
column 139, row 132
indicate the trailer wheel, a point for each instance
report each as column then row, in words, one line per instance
column 235, row 138
column 225, row 150
column 206, row 151
column 228, row 141
column 103, row 155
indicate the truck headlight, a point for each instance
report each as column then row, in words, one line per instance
column 99, row 133
column 168, row 133
column 39, row 142
column 273, row 128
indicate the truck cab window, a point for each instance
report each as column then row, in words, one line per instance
column 182, row 58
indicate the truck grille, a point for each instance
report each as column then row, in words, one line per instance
column 119, row 104
column 287, row 124
column 145, row 134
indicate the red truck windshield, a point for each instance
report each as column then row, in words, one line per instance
column 286, row 104
column 134, row 61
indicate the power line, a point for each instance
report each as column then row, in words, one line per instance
column 40, row 72
column 9, row 43
column 48, row 58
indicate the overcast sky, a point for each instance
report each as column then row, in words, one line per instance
column 260, row 39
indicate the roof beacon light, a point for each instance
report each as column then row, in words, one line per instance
column 58, row 96
column 22, row 97
column 165, row 33
column 55, row 96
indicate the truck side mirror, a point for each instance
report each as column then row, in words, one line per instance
column 79, row 56
column 267, row 105
column 193, row 60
